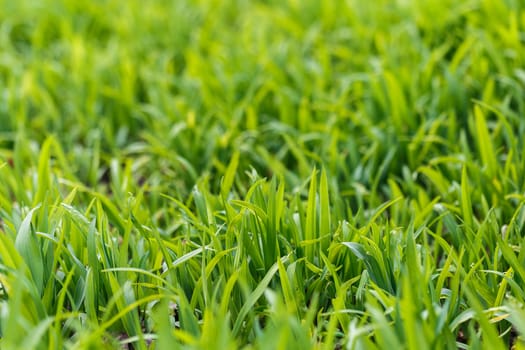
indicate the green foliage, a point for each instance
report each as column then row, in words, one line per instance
column 262, row 174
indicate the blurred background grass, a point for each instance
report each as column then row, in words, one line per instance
column 364, row 88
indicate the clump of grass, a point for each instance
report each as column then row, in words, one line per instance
column 259, row 175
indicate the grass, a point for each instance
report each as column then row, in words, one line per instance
column 262, row 174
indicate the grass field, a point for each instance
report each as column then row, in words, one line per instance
column 262, row 174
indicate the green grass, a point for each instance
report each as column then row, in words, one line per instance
column 262, row 174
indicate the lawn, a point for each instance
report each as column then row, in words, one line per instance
column 262, row 174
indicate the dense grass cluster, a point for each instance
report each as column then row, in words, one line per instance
column 262, row 174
